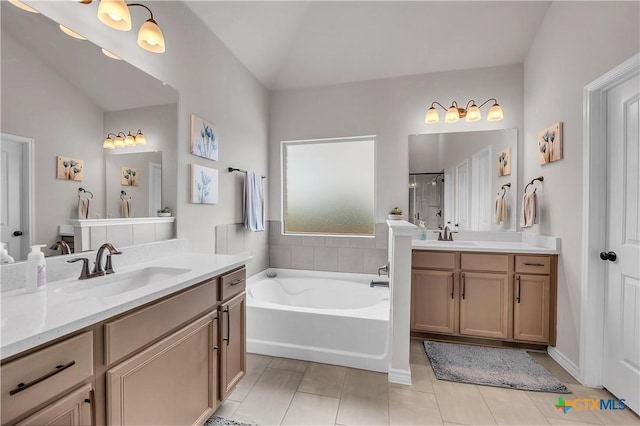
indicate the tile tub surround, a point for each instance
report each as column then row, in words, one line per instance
column 12, row 276
column 31, row 319
column 328, row 253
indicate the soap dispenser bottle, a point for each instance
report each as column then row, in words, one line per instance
column 36, row 270
column 4, row 254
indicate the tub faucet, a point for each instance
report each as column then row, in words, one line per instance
column 62, row 245
column 108, row 269
column 379, row 283
column 384, row 269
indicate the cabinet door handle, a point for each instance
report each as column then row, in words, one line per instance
column 534, row 264
column 226, row 310
column 236, row 282
column 463, row 285
column 58, row 369
column 452, row 286
column 518, row 296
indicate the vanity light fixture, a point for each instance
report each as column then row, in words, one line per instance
column 71, row 33
column 19, row 4
column 111, row 55
column 120, row 140
column 471, row 113
column 116, row 14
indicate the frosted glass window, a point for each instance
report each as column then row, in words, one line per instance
column 329, row 186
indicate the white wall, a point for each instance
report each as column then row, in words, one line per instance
column 576, row 43
column 392, row 109
column 40, row 104
column 213, row 84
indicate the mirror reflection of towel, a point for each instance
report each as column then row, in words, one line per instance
column 83, row 208
column 529, row 206
column 125, row 208
column 501, row 210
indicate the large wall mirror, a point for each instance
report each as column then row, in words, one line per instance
column 61, row 96
column 464, row 179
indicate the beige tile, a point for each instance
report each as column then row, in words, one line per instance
column 422, row 378
column 289, row 364
column 256, row 364
column 546, row 402
column 227, row 408
column 323, row 379
column 365, row 399
column 408, row 407
column 308, row 409
column 615, row 417
column 268, row 400
column 500, row 396
column 462, row 403
column 522, row 415
column 550, row 364
column 557, row 421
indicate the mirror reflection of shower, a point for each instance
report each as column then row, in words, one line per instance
column 426, row 199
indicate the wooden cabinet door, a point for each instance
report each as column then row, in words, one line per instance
column 484, row 304
column 233, row 346
column 169, row 383
column 71, row 410
column 433, row 301
column 531, row 304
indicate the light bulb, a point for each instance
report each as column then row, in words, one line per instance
column 129, row 141
column 140, row 139
column 71, row 33
column 115, row 14
column 108, row 143
column 432, row 116
column 495, row 113
column 19, row 4
column 473, row 113
column 119, row 142
column 150, row 37
column 452, row 115
column 110, row 55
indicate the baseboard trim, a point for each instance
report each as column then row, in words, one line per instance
column 402, row 377
column 565, row 362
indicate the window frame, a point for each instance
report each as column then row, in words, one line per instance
column 283, row 192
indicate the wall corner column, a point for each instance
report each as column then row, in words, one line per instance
column 399, row 257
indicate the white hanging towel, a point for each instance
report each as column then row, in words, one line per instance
column 529, row 207
column 501, row 210
column 253, row 206
column 125, row 208
column 83, row 208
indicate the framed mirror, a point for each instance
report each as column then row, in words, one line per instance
column 65, row 96
column 468, row 179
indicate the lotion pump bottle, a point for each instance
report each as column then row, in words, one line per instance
column 36, row 270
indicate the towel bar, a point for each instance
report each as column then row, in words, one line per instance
column 232, row 169
column 539, row 178
column 82, row 190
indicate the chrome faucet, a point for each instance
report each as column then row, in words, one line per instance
column 62, row 245
column 108, row 269
column 384, row 269
column 379, row 283
column 448, row 233
column 84, row 274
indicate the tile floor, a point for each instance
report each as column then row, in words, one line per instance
column 291, row 392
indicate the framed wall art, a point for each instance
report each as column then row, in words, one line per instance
column 69, row 168
column 550, row 144
column 504, row 162
column 204, row 138
column 204, row 185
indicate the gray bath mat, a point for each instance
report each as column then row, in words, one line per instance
column 503, row 368
column 223, row 421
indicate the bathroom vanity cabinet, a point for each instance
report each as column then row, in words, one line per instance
column 171, row 361
column 497, row 297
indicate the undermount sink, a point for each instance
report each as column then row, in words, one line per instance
column 118, row 283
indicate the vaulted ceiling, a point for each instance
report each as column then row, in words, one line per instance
column 291, row 44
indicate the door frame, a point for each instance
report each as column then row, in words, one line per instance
column 594, row 219
column 28, row 178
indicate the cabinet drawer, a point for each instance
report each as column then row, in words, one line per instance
column 45, row 374
column 136, row 330
column 533, row 264
column 484, row 262
column 232, row 284
column 433, row 259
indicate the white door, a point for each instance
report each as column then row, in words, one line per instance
column 622, row 254
column 481, row 199
column 14, row 217
column 155, row 188
column 462, row 195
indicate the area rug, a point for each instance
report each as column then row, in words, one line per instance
column 223, row 421
column 499, row 367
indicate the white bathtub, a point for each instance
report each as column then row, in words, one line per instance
column 327, row 317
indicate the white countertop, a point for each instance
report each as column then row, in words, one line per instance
column 482, row 246
column 31, row 319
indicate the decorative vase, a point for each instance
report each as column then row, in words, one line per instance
column 395, row 217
